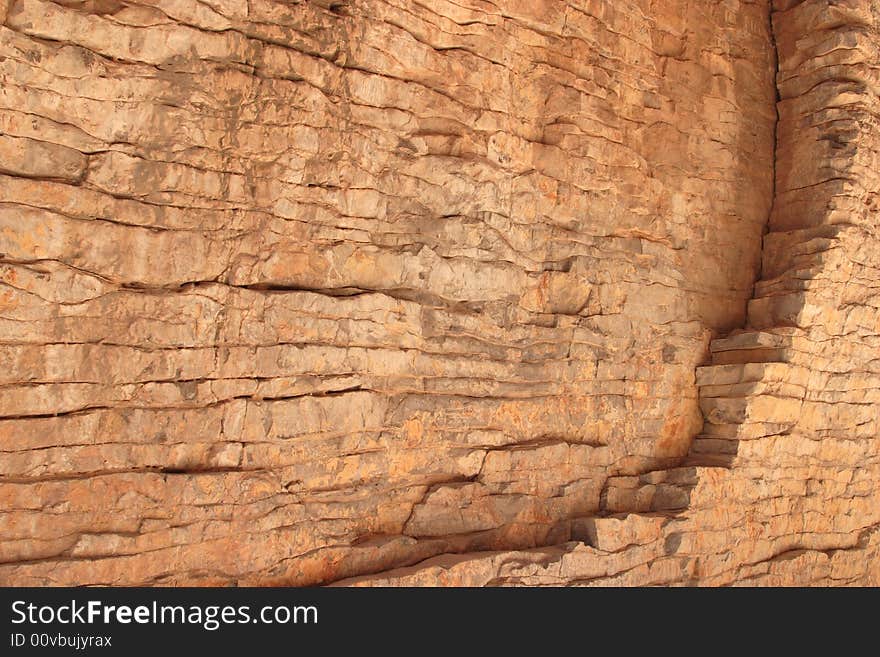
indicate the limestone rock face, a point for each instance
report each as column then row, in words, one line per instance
column 386, row 292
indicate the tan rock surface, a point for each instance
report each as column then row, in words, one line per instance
column 439, row 293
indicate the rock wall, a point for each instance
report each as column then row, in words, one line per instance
column 423, row 292
column 782, row 485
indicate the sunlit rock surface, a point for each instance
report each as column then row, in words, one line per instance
column 446, row 293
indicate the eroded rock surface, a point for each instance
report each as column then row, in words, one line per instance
column 782, row 485
column 420, row 293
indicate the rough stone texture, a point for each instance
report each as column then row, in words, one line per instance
column 782, row 485
column 425, row 292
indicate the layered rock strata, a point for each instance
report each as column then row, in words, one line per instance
column 422, row 293
column 782, row 485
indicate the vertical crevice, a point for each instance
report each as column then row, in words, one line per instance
column 774, row 53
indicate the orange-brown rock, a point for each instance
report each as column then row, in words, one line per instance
column 383, row 292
